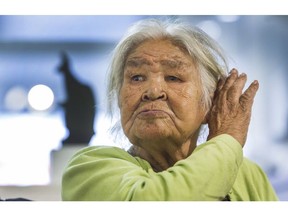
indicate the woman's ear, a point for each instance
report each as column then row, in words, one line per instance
column 206, row 117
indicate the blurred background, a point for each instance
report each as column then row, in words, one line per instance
column 49, row 64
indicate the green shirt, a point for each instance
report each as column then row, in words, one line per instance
column 214, row 169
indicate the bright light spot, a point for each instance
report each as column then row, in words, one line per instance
column 40, row 97
column 16, row 99
column 211, row 28
column 229, row 19
column 26, row 143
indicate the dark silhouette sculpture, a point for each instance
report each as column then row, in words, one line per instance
column 79, row 106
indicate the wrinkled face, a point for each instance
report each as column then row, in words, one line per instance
column 160, row 95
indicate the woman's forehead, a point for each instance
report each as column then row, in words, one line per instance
column 172, row 62
column 161, row 51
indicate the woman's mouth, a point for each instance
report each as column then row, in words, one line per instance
column 152, row 114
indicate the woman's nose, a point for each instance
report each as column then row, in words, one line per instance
column 154, row 91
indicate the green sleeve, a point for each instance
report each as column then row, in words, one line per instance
column 252, row 184
column 105, row 173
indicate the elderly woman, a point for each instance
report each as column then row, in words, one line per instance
column 168, row 79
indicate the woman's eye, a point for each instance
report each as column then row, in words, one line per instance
column 173, row 79
column 137, row 78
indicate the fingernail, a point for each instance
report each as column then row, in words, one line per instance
column 242, row 74
column 255, row 82
column 233, row 71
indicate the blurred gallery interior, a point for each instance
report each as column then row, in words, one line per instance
column 40, row 54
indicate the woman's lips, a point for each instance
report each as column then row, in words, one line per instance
column 152, row 114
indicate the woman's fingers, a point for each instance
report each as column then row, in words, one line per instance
column 247, row 98
column 231, row 109
column 230, row 79
column 231, row 89
column 235, row 91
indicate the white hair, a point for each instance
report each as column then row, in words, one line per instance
column 205, row 51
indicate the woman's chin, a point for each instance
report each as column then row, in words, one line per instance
column 152, row 134
column 158, row 130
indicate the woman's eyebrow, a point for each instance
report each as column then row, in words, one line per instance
column 175, row 63
column 137, row 62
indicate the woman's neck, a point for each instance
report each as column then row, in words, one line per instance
column 162, row 158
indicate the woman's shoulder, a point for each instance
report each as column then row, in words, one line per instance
column 252, row 170
column 251, row 167
column 252, row 183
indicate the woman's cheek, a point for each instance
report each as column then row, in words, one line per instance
column 181, row 96
column 129, row 98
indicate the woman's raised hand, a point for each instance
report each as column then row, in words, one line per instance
column 230, row 112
